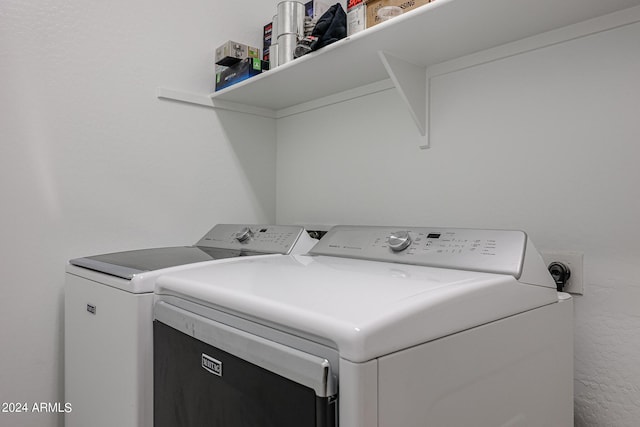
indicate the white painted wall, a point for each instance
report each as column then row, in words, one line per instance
column 91, row 161
column 500, row 134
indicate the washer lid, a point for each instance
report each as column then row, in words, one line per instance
column 130, row 263
column 221, row 242
column 363, row 308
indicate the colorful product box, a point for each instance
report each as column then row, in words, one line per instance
column 308, row 9
column 244, row 69
column 267, row 37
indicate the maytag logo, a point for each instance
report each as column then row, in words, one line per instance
column 212, row 365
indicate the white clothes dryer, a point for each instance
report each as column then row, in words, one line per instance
column 108, row 318
column 376, row 326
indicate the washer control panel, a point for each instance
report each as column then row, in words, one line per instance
column 252, row 237
column 491, row 251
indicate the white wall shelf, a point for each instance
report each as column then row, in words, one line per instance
column 400, row 51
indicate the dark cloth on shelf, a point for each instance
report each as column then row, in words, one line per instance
column 331, row 27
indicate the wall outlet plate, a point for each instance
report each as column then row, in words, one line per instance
column 573, row 260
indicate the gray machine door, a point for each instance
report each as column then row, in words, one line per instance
column 207, row 373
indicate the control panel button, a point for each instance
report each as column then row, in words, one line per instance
column 399, row 240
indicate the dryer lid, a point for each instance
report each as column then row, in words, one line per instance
column 370, row 291
column 364, row 309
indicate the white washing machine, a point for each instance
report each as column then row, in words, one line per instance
column 375, row 327
column 108, row 318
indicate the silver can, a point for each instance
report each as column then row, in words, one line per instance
column 290, row 18
column 274, row 28
column 273, row 56
column 286, row 45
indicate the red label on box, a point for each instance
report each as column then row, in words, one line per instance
column 353, row 3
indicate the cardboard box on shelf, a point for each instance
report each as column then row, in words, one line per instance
column 374, row 5
column 232, row 52
column 356, row 16
column 244, row 69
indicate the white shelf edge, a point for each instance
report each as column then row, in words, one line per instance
column 243, row 108
column 206, row 101
column 183, row 96
column 336, row 98
column 571, row 32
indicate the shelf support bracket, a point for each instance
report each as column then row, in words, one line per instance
column 411, row 83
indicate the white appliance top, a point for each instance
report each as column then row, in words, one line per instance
column 367, row 308
column 134, row 270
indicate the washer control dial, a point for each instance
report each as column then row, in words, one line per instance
column 399, row 240
column 243, row 234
